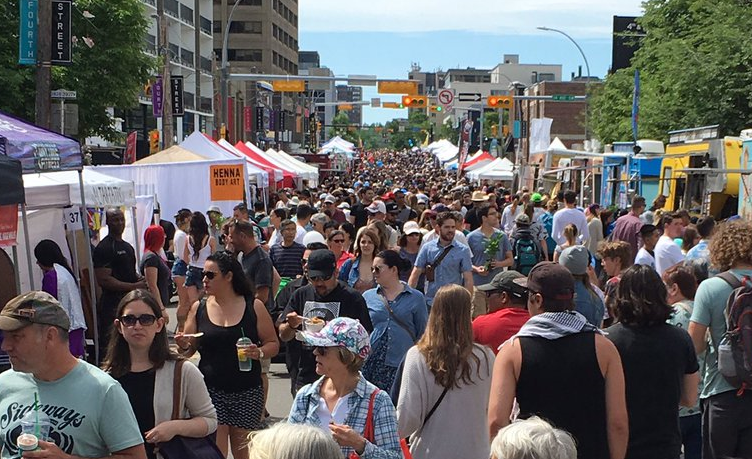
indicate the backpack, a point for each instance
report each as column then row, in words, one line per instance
column 526, row 252
column 547, row 220
column 735, row 348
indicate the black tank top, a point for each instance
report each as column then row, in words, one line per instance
column 219, row 358
column 560, row 381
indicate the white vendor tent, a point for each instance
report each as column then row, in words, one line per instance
column 337, row 143
column 308, row 172
column 446, row 153
column 199, row 143
column 303, row 172
column 498, row 169
column 277, row 173
column 61, row 189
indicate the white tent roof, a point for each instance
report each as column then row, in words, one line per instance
column 278, row 174
column 479, row 165
column 206, row 147
column 446, row 153
column 498, row 169
column 61, row 189
column 274, row 160
column 297, row 162
column 303, row 171
column 339, row 141
column 438, row 145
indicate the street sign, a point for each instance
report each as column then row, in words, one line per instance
column 446, row 97
column 361, row 80
column 288, row 85
column 63, row 94
column 375, row 102
column 391, row 105
column 562, row 97
column 176, row 93
column 469, row 97
column 28, row 32
column 398, row 87
column 61, row 32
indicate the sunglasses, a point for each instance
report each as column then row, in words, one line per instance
column 491, row 293
column 338, row 241
column 209, row 274
column 321, row 350
column 144, row 319
column 378, row 269
column 319, row 278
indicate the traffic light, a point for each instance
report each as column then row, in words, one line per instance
column 500, row 101
column 223, row 132
column 153, row 141
column 415, row 101
column 436, row 109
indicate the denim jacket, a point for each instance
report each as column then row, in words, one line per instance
column 409, row 307
column 386, row 440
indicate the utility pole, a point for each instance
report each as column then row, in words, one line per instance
column 44, row 66
column 163, row 47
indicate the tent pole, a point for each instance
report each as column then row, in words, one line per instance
column 28, row 245
column 135, row 235
column 15, row 266
column 74, row 255
column 90, row 263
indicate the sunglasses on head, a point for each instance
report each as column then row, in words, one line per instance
column 208, row 274
column 144, row 319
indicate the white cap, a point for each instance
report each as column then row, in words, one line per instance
column 344, row 205
column 377, row 207
column 411, row 228
column 313, row 236
column 330, row 198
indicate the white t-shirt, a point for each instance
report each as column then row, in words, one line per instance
column 667, row 254
column 644, row 258
column 564, row 217
column 179, row 243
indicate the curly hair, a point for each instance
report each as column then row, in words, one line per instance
column 641, row 298
column 731, row 245
column 614, row 249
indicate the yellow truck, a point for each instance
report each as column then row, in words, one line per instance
column 700, row 172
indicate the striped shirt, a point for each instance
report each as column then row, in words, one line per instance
column 288, row 260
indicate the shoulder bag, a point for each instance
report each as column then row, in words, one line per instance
column 369, row 435
column 431, row 268
column 181, row 447
column 397, row 319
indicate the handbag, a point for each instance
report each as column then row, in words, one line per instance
column 369, row 435
column 180, row 447
column 397, row 319
column 431, row 267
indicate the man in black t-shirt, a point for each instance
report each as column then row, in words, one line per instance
column 115, row 269
column 256, row 263
column 324, row 297
column 358, row 213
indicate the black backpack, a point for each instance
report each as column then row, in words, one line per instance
column 527, row 252
column 735, row 348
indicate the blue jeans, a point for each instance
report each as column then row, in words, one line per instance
column 691, row 432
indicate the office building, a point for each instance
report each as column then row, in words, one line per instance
column 347, row 93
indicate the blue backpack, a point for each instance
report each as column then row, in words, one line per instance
column 527, row 252
column 547, row 220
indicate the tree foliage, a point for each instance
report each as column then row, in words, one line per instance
column 408, row 134
column 695, row 66
column 111, row 73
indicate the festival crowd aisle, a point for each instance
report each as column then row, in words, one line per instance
column 420, row 315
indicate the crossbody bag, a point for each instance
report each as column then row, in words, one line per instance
column 397, row 319
column 431, row 267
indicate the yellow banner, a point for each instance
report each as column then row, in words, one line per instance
column 288, row 86
column 226, row 182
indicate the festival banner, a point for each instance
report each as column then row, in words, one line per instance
column 130, row 148
column 8, row 225
column 464, row 147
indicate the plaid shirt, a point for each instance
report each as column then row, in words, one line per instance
column 386, row 443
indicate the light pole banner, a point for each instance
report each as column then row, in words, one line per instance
column 27, row 34
column 157, row 98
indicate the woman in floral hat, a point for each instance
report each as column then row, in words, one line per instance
column 342, row 401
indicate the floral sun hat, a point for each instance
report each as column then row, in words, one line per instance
column 342, row 332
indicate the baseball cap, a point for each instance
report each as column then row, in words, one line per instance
column 411, row 228
column 214, row 209
column 343, row 205
column 341, row 332
column 33, row 308
column 439, row 208
column 576, row 259
column 387, row 196
column 552, row 280
column 330, row 199
column 321, row 263
column 536, row 197
column 377, row 207
column 423, row 199
column 505, row 281
column 391, row 207
column 522, row 219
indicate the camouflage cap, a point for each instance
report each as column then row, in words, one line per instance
column 33, row 308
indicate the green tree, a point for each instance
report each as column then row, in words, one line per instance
column 695, row 66
column 408, row 133
column 110, row 73
column 340, row 125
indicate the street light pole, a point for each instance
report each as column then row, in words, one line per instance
column 224, row 70
column 587, row 68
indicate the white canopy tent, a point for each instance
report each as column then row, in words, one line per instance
column 498, row 169
column 278, row 173
column 446, row 153
column 437, row 145
column 303, row 171
column 199, row 143
column 311, row 172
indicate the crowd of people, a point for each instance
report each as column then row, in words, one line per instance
column 419, row 315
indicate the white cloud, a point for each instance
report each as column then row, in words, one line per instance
column 580, row 18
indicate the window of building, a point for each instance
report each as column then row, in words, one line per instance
column 254, row 27
column 244, row 55
column 250, row 2
column 205, row 24
column 186, row 14
column 217, row 27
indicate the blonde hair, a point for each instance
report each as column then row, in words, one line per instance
column 292, row 441
column 570, row 233
column 533, row 438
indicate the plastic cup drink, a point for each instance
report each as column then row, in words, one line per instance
column 29, row 425
column 27, row 442
column 243, row 346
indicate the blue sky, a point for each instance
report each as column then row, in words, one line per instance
column 353, row 37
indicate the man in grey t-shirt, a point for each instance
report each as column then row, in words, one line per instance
column 90, row 414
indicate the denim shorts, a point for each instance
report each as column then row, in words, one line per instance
column 194, row 277
column 179, row 268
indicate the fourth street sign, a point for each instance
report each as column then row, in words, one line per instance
column 469, row 97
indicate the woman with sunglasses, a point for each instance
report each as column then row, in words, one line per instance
column 139, row 357
column 228, row 313
column 409, row 244
column 399, row 317
column 342, row 401
column 356, row 272
column 446, row 383
column 336, row 242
